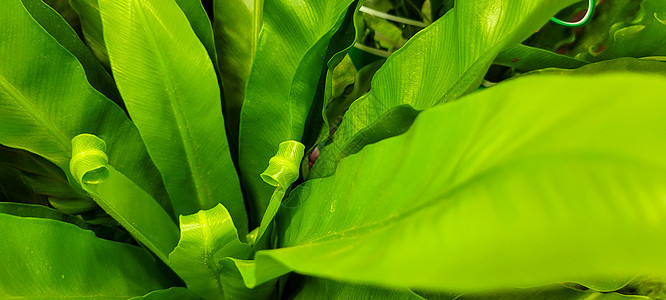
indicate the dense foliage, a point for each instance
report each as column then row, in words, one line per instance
column 281, row 149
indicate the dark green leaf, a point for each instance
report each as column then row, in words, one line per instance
column 237, row 25
column 645, row 37
column 44, row 103
column 292, row 53
column 441, row 63
column 526, row 58
column 625, row 64
column 44, row 179
column 14, row 188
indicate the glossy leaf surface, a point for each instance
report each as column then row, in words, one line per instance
column 39, row 211
column 206, row 238
column 291, row 54
column 44, row 103
column 236, row 26
column 47, row 258
column 91, row 25
column 58, row 28
column 440, row 63
column 201, row 25
column 123, row 200
column 561, row 188
column 91, row 22
column 169, row 86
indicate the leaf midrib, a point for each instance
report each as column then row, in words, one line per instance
column 22, row 101
column 208, row 253
column 182, row 123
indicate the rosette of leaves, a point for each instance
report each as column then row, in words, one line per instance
column 427, row 189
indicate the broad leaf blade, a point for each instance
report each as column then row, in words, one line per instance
column 319, row 288
column 128, row 204
column 91, row 25
column 206, row 238
column 560, row 188
column 40, row 211
column 236, row 26
column 58, row 28
column 51, row 259
column 44, row 103
column 291, row 54
column 440, row 63
column 169, row 86
column 201, row 25
column 91, row 21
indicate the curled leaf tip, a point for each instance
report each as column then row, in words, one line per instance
column 283, row 168
column 89, row 160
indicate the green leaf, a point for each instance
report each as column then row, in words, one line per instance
column 440, row 63
column 44, row 179
column 44, row 103
column 646, row 37
column 241, row 281
column 65, row 10
column 562, row 189
column 552, row 292
column 296, row 42
column 620, row 28
column 653, row 287
column 174, row 293
column 128, row 204
column 91, row 22
column 39, row 211
column 44, row 258
column 361, row 85
column 439, row 7
column 526, row 58
column 200, row 22
column 206, row 238
column 14, row 188
column 169, row 86
column 237, row 24
column 91, row 25
column 58, row 28
column 625, row 64
column 281, row 173
column 318, row 288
